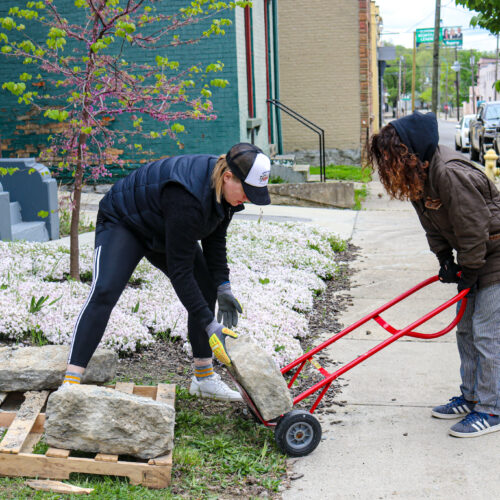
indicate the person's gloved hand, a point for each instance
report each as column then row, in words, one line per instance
column 229, row 306
column 448, row 271
column 216, row 338
column 468, row 278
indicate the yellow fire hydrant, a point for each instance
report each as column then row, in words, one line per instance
column 490, row 161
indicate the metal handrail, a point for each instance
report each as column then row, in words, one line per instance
column 310, row 125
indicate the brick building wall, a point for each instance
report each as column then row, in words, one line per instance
column 319, row 53
column 375, row 21
column 23, row 132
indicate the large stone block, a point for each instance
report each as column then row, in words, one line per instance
column 101, row 420
column 37, row 368
column 258, row 374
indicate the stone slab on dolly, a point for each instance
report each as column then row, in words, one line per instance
column 257, row 373
column 39, row 368
column 101, row 420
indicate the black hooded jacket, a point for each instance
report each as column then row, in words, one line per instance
column 460, row 206
column 419, row 133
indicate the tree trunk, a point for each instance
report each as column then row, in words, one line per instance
column 74, row 248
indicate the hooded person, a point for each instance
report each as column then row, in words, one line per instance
column 459, row 209
column 175, row 212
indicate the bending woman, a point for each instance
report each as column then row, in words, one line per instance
column 162, row 211
column 459, row 209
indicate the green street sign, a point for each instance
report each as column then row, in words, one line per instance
column 425, row 35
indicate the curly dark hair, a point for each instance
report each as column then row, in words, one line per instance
column 401, row 172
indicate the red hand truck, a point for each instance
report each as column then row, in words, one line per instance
column 298, row 432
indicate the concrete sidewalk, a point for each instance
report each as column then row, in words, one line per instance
column 384, row 443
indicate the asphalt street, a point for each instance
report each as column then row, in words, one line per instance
column 447, row 129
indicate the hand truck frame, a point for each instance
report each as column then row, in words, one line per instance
column 298, row 432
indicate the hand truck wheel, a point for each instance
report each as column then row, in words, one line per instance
column 298, row 433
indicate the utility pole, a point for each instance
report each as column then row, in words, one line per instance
column 446, row 85
column 404, row 86
column 413, row 71
column 456, row 67
column 496, row 69
column 472, row 60
column 435, row 58
column 399, row 89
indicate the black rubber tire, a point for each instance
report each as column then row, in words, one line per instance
column 474, row 155
column 457, row 147
column 298, row 433
column 481, row 155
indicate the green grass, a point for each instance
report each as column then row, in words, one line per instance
column 360, row 196
column 276, row 180
column 345, row 173
column 216, row 454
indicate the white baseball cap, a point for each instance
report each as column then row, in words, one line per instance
column 252, row 167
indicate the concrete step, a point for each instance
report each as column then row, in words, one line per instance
column 304, row 170
column 15, row 212
column 30, row 231
column 291, row 174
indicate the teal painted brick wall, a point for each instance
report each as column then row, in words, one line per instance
column 23, row 132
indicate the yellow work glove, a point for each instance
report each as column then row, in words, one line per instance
column 216, row 338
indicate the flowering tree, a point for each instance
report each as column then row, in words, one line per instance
column 88, row 82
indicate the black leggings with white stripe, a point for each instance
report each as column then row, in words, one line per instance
column 117, row 253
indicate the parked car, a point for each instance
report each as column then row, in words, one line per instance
column 462, row 133
column 482, row 129
column 496, row 144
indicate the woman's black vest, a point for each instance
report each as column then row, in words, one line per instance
column 135, row 200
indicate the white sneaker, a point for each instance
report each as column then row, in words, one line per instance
column 213, row 387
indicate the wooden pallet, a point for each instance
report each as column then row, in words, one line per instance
column 25, row 428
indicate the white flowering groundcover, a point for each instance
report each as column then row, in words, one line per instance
column 276, row 270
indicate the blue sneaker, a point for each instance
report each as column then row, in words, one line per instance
column 476, row 424
column 457, row 407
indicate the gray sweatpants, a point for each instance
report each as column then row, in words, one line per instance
column 478, row 339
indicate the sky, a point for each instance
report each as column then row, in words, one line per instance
column 402, row 17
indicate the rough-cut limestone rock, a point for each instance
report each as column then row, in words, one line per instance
column 38, row 368
column 100, row 420
column 258, row 374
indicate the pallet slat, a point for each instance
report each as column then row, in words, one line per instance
column 7, row 417
column 30, row 465
column 58, row 487
column 57, row 453
column 104, row 457
column 23, row 423
column 166, row 393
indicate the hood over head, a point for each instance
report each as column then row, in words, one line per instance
column 419, row 133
